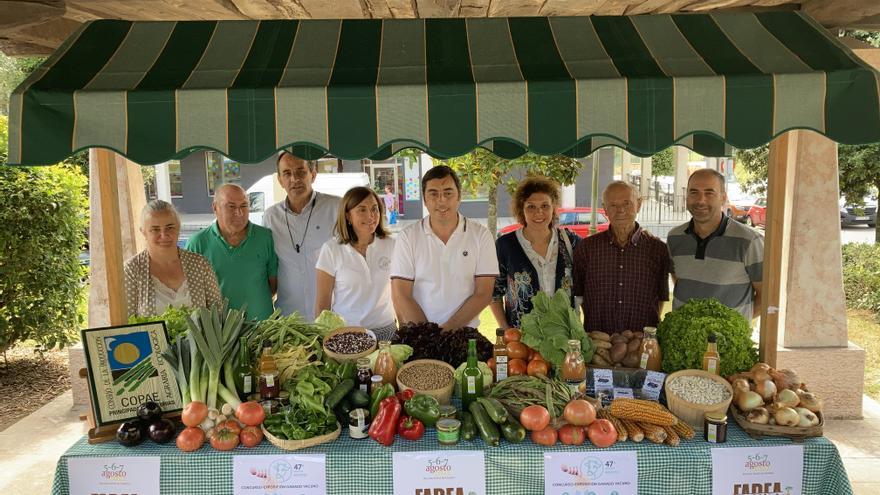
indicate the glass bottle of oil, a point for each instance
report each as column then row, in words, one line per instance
column 500, row 354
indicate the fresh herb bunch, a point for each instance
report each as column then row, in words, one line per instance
column 551, row 324
column 429, row 341
column 683, row 334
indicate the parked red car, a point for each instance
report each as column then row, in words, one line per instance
column 758, row 214
column 576, row 220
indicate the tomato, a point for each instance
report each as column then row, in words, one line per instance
column 250, row 413
column 579, row 412
column 538, row 368
column 517, row 350
column 516, row 367
column 512, row 335
column 491, row 364
column 194, row 413
column 231, row 425
column 571, row 435
column 534, row 418
column 546, row 437
column 190, row 439
column 224, row 438
column 251, row 436
column 602, row 433
column 536, row 356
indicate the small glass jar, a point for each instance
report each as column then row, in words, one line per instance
column 358, row 423
column 447, row 431
column 715, row 427
column 375, row 383
column 448, row 412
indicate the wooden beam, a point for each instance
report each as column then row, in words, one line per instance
column 105, row 178
column 780, row 192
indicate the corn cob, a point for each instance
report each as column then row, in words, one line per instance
column 643, row 411
column 672, row 438
column 632, row 429
column 622, row 433
column 654, row 433
column 683, row 430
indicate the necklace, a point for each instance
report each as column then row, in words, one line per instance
column 308, row 221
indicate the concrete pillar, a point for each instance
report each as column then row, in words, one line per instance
column 647, row 177
column 163, row 182
column 680, row 162
column 568, row 196
column 810, row 307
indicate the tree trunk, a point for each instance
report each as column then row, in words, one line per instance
column 492, row 213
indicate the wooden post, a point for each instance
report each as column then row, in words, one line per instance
column 780, row 191
column 105, row 180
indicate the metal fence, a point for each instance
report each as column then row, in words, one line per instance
column 662, row 205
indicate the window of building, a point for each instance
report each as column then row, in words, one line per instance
column 220, row 170
column 175, row 181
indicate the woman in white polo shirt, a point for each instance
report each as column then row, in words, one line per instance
column 354, row 269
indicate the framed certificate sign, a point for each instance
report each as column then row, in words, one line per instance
column 126, row 369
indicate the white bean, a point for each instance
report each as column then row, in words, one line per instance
column 699, row 390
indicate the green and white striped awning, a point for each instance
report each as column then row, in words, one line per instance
column 154, row 91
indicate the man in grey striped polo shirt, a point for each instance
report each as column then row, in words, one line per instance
column 713, row 256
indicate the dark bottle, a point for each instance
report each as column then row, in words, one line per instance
column 244, row 371
column 364, row 374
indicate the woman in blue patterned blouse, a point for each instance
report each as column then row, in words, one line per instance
column 537, row 257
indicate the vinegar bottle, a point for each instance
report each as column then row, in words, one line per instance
column 711, row 359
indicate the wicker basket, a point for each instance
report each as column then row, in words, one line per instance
column 692, row 413
column 342, row 358
column 795, row 433
column 301, row 444
column 443, row 395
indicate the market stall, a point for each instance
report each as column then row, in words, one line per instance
column 357, row 466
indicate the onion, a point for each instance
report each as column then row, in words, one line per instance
column 786, row 416
column 785, row 379
column 740, row 385
column 788, row 398
column 748, row 401
column 810, row 401
column 760, row 372
column 759, row 415
column 766, row 389
column 807, row 417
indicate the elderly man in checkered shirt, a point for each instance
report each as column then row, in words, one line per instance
column 621, row 276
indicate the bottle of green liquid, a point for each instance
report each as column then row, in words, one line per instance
column 472, row 378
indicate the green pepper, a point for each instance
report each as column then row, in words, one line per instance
column 378, row 394
column 424, row 408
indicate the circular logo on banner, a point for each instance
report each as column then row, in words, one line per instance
column 465, row 253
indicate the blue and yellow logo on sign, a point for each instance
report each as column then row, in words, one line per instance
column 125, row 351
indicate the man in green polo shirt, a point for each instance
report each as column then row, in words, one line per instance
column 241, row 253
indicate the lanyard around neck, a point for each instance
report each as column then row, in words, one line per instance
column 308, row 221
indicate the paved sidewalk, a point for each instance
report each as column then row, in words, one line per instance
column 29, row 449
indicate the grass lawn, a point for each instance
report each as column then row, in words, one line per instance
column 864, row 331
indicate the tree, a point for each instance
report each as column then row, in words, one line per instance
column 12, row 72
column 661, row 163
column 483, row 168
column 754, row 163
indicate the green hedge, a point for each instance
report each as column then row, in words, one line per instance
column 861, row 276
column 44, row 216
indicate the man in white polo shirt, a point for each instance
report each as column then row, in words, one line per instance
column 444, row 266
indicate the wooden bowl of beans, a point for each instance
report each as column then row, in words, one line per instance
column 349, row 343
column 429, row 377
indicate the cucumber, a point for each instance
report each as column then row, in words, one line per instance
column 359, row 398
column 494, row 409
column 468, row 428
column 488, row 431
column 513, row 431
column 338, row 393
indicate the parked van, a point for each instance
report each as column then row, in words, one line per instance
column 267, row 191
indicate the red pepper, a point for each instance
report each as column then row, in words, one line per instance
column 405, row 395
column 384, row 425
column 410, row 428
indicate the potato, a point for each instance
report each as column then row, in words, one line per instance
column 599, row 361
column 597, row 335
column 618, row 351
column 605, row 353
column 633, row 345
column 638, row 335
column 631, row 360
column 627, row 333
column 618, row 338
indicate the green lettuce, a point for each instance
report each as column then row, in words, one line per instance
column 683, row 335
column 329, row 321
column 551, row 324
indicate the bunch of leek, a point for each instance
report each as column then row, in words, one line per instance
column 213, row 337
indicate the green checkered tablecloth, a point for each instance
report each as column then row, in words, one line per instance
column 364, row 467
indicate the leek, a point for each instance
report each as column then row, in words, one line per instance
column 215, row 334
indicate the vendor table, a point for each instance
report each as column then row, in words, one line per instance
column 365, row 467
